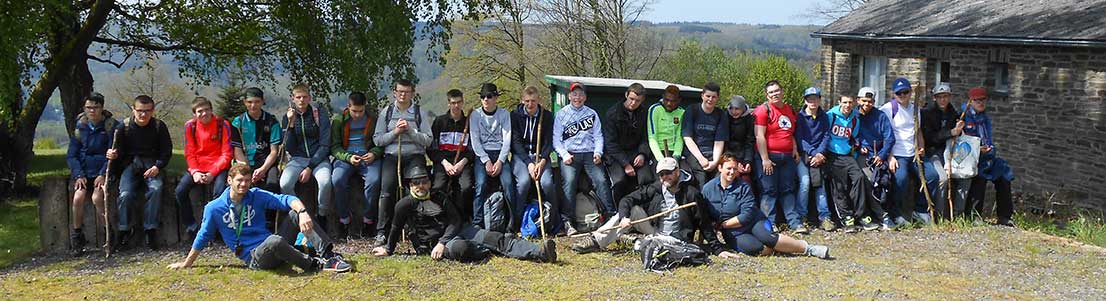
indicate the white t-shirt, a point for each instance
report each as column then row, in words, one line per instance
column 902, row 125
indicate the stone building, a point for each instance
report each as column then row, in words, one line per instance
column 1044, row 63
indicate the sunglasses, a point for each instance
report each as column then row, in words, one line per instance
column 420, row 181
column 664, row 173
column 487, row 96
column 904, row 92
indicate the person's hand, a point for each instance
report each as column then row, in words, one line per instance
column 710, row 167
column 368, row 158
column 178, row 265
column 877, row 161
column 744, row 168
column 703, row 162
column 629, row 170
column 259, row 175
column 355, row 160
column 986, row 148
column 80, row 184
column 818, row 160
column 728, row 255
column 205, row 178
column 305, row 175
column 796, row 156
column 112, row 154
column 532, row 170
column 305, row 222
column 152, row 172
column 437, row 252
column 596, row 158
column 959, row 129
column 489, row 167
column 893, row 165
column 401, row 126
column 497, row 168
column 568, row 160
column 540, row 167
column 767, row 166
column 101, row 181
column 291, row 114
column 380, row 252
column 624, row 223
column 921, row 151
column 639, row 161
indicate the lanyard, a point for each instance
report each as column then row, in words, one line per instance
column 238, row 230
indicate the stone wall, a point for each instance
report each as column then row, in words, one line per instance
column 1049, row 124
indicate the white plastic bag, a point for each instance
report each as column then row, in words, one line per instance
column 962, row 156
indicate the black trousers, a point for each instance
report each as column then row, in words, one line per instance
column 389, row 184
column 1004, row 205
column 460, row 189
column 849, row 188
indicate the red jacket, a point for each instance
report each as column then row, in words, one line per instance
column 207, row 146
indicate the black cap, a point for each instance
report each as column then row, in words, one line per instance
column 414, row 172
column 489, row 89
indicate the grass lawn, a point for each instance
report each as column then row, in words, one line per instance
column 51, row 162
column 18, row 230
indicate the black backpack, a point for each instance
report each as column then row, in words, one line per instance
column 661, row 255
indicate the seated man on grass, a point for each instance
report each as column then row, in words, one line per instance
column 238, row 216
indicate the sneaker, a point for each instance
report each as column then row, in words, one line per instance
column 380, row 241
column 547, row 251
column 900, row 222
column 819, row 251
column 1005, row 222
column 801, row 229
column 569, row 229
column 368, row 230
column 151, row 239
column 867, row 224
column 923, row 218
column 887, row 224
column 585, row 245
column 335, row 264
column 828, row 225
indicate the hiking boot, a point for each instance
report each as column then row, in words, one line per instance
column 828, row 225
column 819, row 251
column 343, row 232
column 380, row 240
column 547, row 251
column 151, row 239
column 77, row 243
column 801, row 229
column 867, row 224
column 923, row 218
column 122, row 241
column 1005, row 222
column 335, row 264
column 368, row 230
column 900, row 222
column 585, row 245
column 887, row 224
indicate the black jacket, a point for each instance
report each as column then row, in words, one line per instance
column 624, row 135
column 936, row 126
column 651, row 199
column 145, row 146
column 742, row 137
column 430, row 222
column 443, row 149
column 523, row 129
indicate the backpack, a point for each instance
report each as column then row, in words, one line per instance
column 497, row 215
column 588, row 215
column 418, row 115
column 530, row 224
column 660, row 254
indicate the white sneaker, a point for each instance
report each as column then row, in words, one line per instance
column 819, row 251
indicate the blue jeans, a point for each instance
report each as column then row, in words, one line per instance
column 599, row 180
column 321, row 172
column 524, row 183
column 184, row 200
column 779, row 186
column 507, row 184
column 804, row 192
column 369, row 172
column 907, row 170
column 128, row 186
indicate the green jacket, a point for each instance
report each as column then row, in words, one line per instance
column 339, row 136
column 665, row 126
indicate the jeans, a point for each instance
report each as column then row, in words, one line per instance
column 599, row 181
column 184, row 200
column 821, row 202
column 370, row 173
column 291, row 176
column 507, row 185
column 128, row 187
column 472, row 244
column 277, row 249
column 389, row 187
column 458, row 188
column 908, row 169
column 524, row 183
column 779, row 186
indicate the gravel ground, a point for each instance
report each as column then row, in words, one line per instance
column 934, row 263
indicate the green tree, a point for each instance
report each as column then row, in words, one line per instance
column 230, row 102
column 331, row 45
column 740, row 73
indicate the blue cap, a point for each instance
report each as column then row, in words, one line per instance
column 812, row 91
column 900, row 84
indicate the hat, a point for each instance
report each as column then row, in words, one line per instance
column 489, row 89
column 414, row 172
column 977, row 93
column 900, row 84
column 812, row 91
column 942, row 88
column 668, row 163
column 738, row 101
column 865, row 91
column 577, row 85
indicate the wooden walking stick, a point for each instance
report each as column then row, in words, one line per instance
column 537, row 181
column 107, row 209
column 280, row 163
column 948, row 169
column 919, row 141
column 632, row 223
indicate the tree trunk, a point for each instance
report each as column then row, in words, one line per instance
column 74, row 88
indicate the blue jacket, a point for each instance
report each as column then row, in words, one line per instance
column 88, row 146
column 220, row 215
column 308, row 136
column 523, row 129
column 813, row 132
column 991, row 167
column 843, row 131
column 735, row 200
column 876, row 134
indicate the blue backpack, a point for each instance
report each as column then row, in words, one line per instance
column 530, row 227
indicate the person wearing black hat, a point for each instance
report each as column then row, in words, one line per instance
column 436, row 228
column 403, row 130
column 490, row 130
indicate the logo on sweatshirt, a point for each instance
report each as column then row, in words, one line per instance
column 232, row 221
column 575, row 128
column 784, row 123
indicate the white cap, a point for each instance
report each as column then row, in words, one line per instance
column 668, row 163
column 865, row 91
column 942, row 88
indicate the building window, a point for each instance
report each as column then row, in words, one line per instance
column 873, row 73
column 1002, row 78
column 943, row 72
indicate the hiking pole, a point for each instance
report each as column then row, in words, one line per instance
column 399, row 166
column 107, row 194
column 632, row 223
column 918, row 156
column 281, row 165
column 948, row 169
column 537, row 181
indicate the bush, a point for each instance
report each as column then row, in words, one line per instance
column 46, row 143
column 741, row 73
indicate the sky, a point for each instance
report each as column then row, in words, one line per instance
column 732, row 11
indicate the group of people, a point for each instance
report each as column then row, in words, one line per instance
column 693, row 171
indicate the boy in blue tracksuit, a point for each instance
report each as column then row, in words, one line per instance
column 92, row 136
column 876, row 141
column 850, row 185
column 991, row 167
column 238, row 215
column 812, row 133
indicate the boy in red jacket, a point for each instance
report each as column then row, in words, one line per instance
column 208, row 153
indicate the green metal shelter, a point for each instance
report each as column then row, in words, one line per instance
column 606, row 92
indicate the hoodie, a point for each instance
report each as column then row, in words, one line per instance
column 937, row 125
column 743, row 136
column 88, row 146
column 844, row 130
column 812, row 132
column 876, row 134
column 663, row 131
column 991, row 167
column 577, row 130
column 524, row 128
column 207, row 146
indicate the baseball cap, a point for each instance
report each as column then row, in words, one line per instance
column 812, row 91
column 942, row 88
column 668, row 163
column 977, row 93
column 865, row 91
column 900, row 84
column 577, row 85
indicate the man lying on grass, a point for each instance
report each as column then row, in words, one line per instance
column 435, row 226
column 238, row 215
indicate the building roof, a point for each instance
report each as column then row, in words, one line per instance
column 1024, row 22
column 564, row 81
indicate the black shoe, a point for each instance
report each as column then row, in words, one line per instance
column 547, row 251
column 343, row 232
column 320, row 222
column 122, row 241
column 381, row 240
column 151, row 239
column 368, row 230
column 77, row 243
column 1005, row 222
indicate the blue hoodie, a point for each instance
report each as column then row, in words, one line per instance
column 991, row 167
column 813, row 132
column 875, row 133
column 88, row 146
column 843, row 131
column 221, row 215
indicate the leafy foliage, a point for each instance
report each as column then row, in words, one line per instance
column 741, row 73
